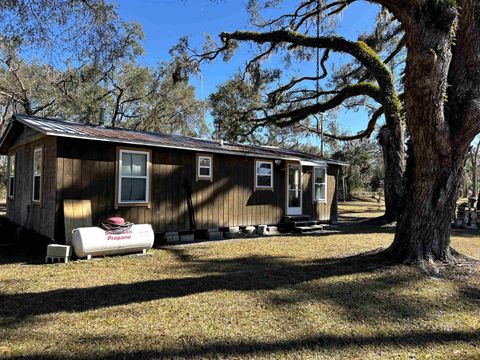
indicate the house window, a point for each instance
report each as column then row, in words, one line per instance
column 133, row 181
column 263, row 174
column 204, row 167
column 11, row 176
column 37, row 174
column 320, row 184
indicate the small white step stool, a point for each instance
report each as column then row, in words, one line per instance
column 60, row 253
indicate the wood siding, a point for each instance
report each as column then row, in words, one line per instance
column 39, row 217
column 321, row 211
column 87, row 170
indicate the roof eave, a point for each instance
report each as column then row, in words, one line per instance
column 4, row 137
column 157, row 145
column 215, row 151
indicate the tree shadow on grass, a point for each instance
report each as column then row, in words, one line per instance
column 466, row 233
column 317, row 342
column 360, row 299
column 21, row 246
column 471, row 294
column 20, row 254
column 359, row 228
column 370, row 210
column 369, row 300
column 244, row 274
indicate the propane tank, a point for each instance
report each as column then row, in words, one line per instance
column 94, row 241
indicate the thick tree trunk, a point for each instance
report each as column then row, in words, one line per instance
column 393, row 158
column 423, row 231
column 474, row 177
column 434, row 159
column 474, row 169
column 442, row 114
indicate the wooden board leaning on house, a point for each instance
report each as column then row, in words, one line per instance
column 77, row 214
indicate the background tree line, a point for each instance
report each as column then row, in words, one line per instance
column 133, row 95
column 69, row 59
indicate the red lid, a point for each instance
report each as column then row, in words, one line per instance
column 116, row 220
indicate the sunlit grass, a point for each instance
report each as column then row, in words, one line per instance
column 279, row 297
column 356, row 210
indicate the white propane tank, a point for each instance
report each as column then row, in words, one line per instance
column 94, row 241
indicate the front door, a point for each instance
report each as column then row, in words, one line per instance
column 294, row 189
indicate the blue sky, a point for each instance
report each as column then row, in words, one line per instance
column 165, row 21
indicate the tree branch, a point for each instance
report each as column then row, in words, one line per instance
column 401, row 44
column 43, row 107
column 259, row 57
column 359, row 50
column 362, row 89
column 365, row 133
column 463, row 106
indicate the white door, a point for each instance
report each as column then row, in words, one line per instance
column 294, row 189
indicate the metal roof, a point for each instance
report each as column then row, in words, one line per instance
column 57, row 127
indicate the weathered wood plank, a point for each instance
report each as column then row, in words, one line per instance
column 68, row 178
column 169, row 197
column 68, row 216
column 155, row 217
column 76, row 178
column 77, row 214
column 110, row 176
column 87, row 213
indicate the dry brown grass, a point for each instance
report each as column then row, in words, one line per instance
column 357, row 210
column 279, row 297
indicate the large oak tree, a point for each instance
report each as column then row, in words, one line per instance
column 441, row 102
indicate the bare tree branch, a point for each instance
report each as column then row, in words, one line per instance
column 363, row 134
column 293, row 116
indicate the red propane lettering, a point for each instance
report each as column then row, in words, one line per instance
column 123, row 236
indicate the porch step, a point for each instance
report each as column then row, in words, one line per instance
column 306, row 229
column 305, row 223
column 299, row 224
column 295, row 218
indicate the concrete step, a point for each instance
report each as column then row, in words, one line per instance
column 272, row 230
column 293, row 218
column 305, row 223
column 215, row 235
column 233, row 232
column 250, row 231
column 306, row 229
column 172, row 237
column 187, row 238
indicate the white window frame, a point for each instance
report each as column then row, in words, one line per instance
column 36, row 150
column 210, row 168
column 324, row 168
column 11, row 184
column 146, row 177
column 263, row 187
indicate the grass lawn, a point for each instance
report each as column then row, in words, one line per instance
column 279, row 297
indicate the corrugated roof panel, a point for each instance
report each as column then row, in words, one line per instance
column 58, row 127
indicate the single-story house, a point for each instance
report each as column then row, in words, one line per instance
column 174, row 183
